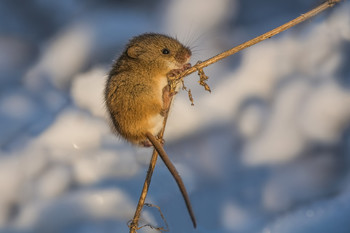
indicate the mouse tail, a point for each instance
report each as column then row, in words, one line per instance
column 173, row 171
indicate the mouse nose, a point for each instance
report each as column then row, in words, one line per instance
column 183, row 55
column 188, row 55
column 188, row 52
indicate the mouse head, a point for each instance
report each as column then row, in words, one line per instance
column 161, row 50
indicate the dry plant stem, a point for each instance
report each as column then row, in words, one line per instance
column 260, row 38
column 135, row 221
column 134, row 224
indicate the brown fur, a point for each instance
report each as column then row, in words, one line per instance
column 137, row 93
column 133, row 86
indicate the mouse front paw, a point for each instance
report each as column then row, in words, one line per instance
column 174, row 73
column 186, row 66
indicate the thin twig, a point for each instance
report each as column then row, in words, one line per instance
column 135, row 221
column 260, row 38
column 199, row 66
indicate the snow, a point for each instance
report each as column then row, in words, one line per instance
column 267, row 151
column 92, row 82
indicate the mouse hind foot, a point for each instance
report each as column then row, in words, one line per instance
column 146, row 143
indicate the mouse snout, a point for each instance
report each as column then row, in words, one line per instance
column 183, row 55
column 187, row 53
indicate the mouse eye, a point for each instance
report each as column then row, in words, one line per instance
column 165, row 51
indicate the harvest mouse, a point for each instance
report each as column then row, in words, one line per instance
column 138, row 96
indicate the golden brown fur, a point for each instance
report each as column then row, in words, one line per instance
column 137, row 93
column 134, row 90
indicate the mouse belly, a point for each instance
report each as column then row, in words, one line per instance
column 133, row 118
column 156, row 123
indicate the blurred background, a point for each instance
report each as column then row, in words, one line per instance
column 267, row 151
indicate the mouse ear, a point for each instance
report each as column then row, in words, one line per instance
column 134, row 51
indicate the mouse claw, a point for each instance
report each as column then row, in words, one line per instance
column 174, row 73
column 186, row 66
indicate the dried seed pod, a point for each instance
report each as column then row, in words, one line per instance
column 190, row 97
column 202, row 80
